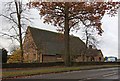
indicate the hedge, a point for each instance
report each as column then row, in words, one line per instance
column 31, row 65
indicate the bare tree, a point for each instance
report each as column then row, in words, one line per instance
column 16, row 14
column 91, row 36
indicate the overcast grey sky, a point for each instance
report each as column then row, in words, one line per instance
column 109, row 39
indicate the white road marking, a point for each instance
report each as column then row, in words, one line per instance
column 109, row 74
column 105, row 75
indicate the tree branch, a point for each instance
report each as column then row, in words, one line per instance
column 10, row 36
column 9, row 18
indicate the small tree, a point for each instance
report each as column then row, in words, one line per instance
column 4, row 55
column 15, row 57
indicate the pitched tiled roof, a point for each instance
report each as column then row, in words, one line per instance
column 92, row 52
column 53, row 43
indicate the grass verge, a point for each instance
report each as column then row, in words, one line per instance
column 38, row 71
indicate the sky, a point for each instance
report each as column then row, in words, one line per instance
column 108, row 41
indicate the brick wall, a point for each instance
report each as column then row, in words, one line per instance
column 49, row 58
column 30, row 52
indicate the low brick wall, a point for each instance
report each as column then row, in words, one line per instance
column 30, row 65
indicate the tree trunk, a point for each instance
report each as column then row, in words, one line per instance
column 86, row 38
column 18, row 9
column 86, row 49
column 66, row 36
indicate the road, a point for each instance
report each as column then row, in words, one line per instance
column 107, row 73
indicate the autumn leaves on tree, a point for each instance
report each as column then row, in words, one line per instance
column 69, row 15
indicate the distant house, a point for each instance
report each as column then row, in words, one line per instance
column 46, row 46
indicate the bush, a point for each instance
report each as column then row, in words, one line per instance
column 15, row 57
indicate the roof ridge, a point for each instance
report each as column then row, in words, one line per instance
column 51, row 31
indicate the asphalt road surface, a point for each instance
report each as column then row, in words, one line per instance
column 107, row 73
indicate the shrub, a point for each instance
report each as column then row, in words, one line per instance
column 15, row 57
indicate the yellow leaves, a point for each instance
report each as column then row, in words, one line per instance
column 15, row 57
